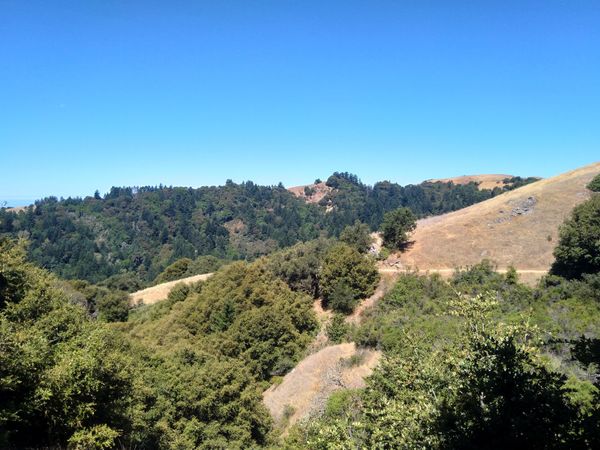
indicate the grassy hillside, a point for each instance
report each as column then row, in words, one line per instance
column 518, row 228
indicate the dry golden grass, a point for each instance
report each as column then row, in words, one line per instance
column 488, row 181
column 518, row 228
column 305, row 390
column 160, row 292
column 321, row 190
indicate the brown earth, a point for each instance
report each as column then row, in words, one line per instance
column 487, row 181
column 17, row 209
column 321, row 190
column 160, row 292
column 304, row 391
column 518, row 228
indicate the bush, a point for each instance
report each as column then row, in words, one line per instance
column 342, row 299
column 113, row 307
column 594, row 185
column 179, row 292
column 357, row 236
column 337, row 329
column 345, row 277
column 175, row 271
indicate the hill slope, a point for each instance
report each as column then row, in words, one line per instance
column 517, row 228
column 487, row 181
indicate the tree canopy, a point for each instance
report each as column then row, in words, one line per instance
column 578, row 251
column 346, row 277
column 396, row 226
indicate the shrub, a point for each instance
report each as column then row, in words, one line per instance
column 357, row 236
column 345, row 277
column 113, row 307
column 594, row 185
column 337, row 329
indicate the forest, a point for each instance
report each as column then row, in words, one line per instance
column 128, row 236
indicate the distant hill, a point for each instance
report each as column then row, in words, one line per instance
column 487, row 181
column 518, row 228
column 133, row 233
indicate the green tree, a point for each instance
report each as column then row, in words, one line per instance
column 396, row 226
column 113, row 307
column 578, row 250
column 358, row 236
column 346, row 276
column 175, row 271
column 61, row 373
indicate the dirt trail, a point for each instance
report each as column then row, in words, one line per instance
column 160, row 292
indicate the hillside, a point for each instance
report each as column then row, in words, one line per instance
column 134, row 233
column 160, row 292
column 486, row 181
column 311, row 193
column 517, row 228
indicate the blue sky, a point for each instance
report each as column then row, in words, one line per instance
column 102, row 93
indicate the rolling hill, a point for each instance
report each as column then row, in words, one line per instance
column 518, row 228
column 486, row 181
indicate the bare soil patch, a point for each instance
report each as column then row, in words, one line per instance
column 317, row 192
column 304, row 391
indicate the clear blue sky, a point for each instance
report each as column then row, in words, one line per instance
column 102, row 93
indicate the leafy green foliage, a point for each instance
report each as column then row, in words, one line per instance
column 483, row 385
column 396, row 226
column 517, row 182
column 142, row 230
column 185, row 373
column 60, row 372
column 346, row 277
column 358, row 236
column 185, row 267
column 352, row 200
column 114, row 307
column 337, row 329
column 594, row 185
column 299, row 266
column 578, row 251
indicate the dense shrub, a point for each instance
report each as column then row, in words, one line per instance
column 594, row 185
column 345, row 277
column 358, row 236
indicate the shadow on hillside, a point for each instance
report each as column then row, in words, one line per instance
column 406, row 246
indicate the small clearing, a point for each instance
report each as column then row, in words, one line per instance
column 160, row 292
column 311, row 193
column 304, row 391
column 518, row 228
